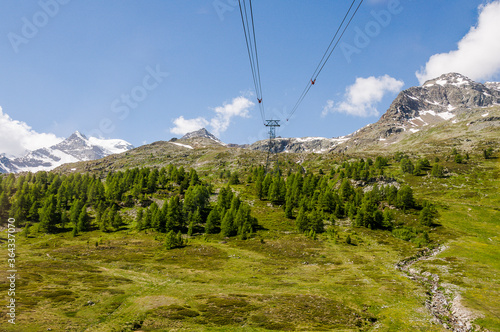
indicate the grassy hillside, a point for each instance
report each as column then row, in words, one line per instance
column 278, row 279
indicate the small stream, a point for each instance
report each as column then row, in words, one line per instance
column 437, row 303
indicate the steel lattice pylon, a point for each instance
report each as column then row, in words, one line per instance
column 272, row 148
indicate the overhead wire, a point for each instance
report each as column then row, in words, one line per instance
column 324, row 60
column 251, row 43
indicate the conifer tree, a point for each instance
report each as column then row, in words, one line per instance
column 48, row 218
column 315, row 219
column 34, row 210
column 302, row 223
column 437, row 171
column 155, row 217
column 117, row 221
column 289, row 207
column 407, row 165
column 266, row 183
column 83, row 221
column 147, row 220
column 213, row 221
column 426, row 216
column 138, row 218
column 75, row 210
column 259, row 187
column 227, row 224
column 405, row 198
column 346, row 190
column 175, row 218
column 170, row 240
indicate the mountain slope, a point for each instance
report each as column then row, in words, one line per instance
column 75, row 148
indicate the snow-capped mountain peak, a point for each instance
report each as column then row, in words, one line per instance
column 449, row 79
column 77, row 147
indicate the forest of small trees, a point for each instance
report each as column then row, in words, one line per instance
column 312, row 200
column 167, row 200
column 174, row 201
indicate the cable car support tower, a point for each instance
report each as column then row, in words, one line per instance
column 272, row 148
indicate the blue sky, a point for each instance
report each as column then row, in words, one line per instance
column 70, row 65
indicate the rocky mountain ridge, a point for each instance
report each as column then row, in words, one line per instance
column 450, row 98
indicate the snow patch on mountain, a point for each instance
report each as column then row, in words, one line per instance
column 111, row 146
column 446, row 115
column 183, row 145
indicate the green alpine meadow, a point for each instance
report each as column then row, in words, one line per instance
column 400, row 241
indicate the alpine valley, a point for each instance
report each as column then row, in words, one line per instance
column 392, row 228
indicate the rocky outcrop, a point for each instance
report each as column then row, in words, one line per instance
column 298, row 145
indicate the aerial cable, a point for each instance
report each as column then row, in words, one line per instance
column 316, row 73
column 248, row 40
column 256, row 54
column 251, row 44
column 338, row 41
column 324, row 60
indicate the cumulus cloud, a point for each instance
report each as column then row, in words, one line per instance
column 16, row 137
column 238, row 107
column 478, row 53
column 183, row 126
column 360, row 99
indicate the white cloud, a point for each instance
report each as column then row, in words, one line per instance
column 184, row 126
column 478, row 53
column 360, row 99
column 239, row 107
column 16, row 137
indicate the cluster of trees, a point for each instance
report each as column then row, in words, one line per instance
column 457, row 157
column 52, row 202
column 362, row 169
column 421, row 165
column 49, row 200
column 229, row 215
column 315, row 198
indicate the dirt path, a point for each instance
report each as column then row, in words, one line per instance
column 447, row 313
